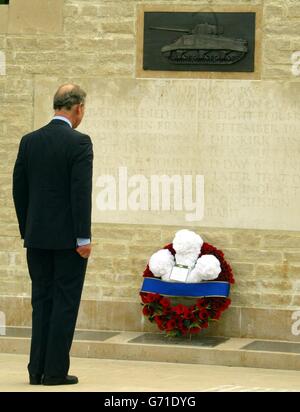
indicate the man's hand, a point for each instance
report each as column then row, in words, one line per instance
column 84, row 251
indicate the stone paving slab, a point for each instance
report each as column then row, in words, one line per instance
column 106, row 375
column 269, row 346
column 160, row 339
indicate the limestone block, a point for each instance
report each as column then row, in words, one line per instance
column 293, row 11
column 101, row 232
column 219, row 239
column 270, row 271
column 246, row 239
column 71, row 10
column 26, row 44
column 276, row 299
column 35, row 16
column 277, row 56
column 3, row 18
column 117, row 10
column 292, row 257
column 2, row 42
column 4, row 258
column 142, row 250
column 124, row 27
column 9, row 243
column 278, row 71
column 250, row 299
column 275, row 286
column 279, row 323
column 90, row 10
column 82, row 25
column 121, row 264
column 282, row 28
column 111, row 249
column 6, row 214
column 242, row 270
column 125, row 44
column 253, row 255
column 138, row 265
column 294, row 271
column 88, row 43
column 10, row 229
column 295, row 301
column 272, row 12
column 281, row 240
column 100, row 264
column 2, row 63
column 152, row 235
column 277, row 43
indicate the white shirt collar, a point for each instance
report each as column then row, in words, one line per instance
column 63, row 119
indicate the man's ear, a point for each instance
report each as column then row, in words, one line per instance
column 77, row 109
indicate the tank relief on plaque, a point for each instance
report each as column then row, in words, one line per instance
column 199, row 41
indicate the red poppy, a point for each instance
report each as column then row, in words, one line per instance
column 170, row 324
column 217, row 315
column 179, row 309
column 201, row 303
column 165, row 302
column 146, row 311
column 194, row 330
column 203, row 315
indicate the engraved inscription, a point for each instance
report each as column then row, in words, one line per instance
column 243, row 137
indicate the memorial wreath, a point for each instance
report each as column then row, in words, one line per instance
column 186, row 268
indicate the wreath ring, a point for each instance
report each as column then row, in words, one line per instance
column 184, row 320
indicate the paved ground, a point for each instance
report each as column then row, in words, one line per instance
column 105, row 375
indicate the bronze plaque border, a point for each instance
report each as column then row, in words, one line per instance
column 141, row 73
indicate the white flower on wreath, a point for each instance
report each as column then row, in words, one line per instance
column 207, row 268
column 187, row 245
column 161, row 264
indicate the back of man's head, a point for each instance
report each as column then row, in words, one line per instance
column 67, row 96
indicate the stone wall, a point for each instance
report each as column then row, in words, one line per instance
column 97, row 39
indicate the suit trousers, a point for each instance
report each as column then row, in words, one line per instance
column 57, row 280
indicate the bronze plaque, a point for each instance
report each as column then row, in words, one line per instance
column 206, row 41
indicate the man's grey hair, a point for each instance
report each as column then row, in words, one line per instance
column 67, row 96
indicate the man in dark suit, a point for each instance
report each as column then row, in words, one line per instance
column 52, row 186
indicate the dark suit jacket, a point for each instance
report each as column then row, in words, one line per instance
column 52, row 186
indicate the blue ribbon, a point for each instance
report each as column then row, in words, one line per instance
column 192, row 290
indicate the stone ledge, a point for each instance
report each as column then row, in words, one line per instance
column 237, row 321
column 156, row 348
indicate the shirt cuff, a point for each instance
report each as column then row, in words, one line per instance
column 83, row 242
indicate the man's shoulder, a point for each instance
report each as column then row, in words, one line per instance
column 28, row 136
column 75, row 136
column 81, row 138
column 79, row 134
column 34, row 133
